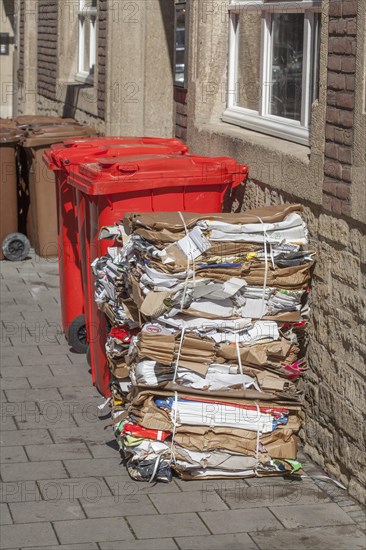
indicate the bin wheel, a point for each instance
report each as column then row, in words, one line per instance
column 88, row 357
column 15, row 247
column 76, row 335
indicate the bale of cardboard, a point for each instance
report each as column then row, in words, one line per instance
column 208, row 315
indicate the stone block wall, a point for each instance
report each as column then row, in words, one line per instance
column 47, row 48
column 334, row 386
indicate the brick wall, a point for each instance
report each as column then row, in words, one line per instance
column 47, row 48
column 340, row 106
column 102, row 55
column 21, row 42
column 180, row 98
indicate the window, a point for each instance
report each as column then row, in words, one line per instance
column 180, row 60
column 87, row 17
column 273, row 66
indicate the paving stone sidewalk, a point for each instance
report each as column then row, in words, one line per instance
column 62, row 483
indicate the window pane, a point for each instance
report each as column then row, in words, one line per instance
column 87, row 44
column 180, row 45
column 248, row 72
column 287, row 64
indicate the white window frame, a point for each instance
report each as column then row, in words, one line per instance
column 181, row 4
column 86, row 15
column 261, row 120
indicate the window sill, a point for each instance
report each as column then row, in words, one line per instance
column 81, row 79
column 80, row 95
column 257, row 139
column 272, row 126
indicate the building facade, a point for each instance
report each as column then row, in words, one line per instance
column 277, row 84
column 319, row 162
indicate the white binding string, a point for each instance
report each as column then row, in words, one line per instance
column 188, row 263
column 271, row 255
column 155, row 469
column 175, row 425
column 257, row 406
column 174, row 419
column 265, row 240
column 239, row 360
column 258, row 437
column 172, row 450
column 178, row 354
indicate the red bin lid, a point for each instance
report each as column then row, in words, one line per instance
column 75, row 151
column 110, row 141
column 125, row 174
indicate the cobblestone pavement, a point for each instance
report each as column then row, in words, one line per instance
column 62, row 482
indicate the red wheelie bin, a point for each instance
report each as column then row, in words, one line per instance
column 111, row 187
column 62, row 159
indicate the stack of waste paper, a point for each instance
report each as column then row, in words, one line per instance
column 209, row 314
